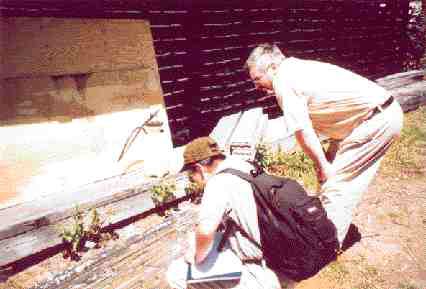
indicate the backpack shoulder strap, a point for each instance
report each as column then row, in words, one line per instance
column 229, row 221
column 248, row 177
column 258, row 180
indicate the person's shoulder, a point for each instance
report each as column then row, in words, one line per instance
column 231, row 162
column 221, row 182
column 234, row 162
column 290, row 68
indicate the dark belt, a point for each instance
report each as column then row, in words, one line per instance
column 252, row 261
column 380, row 108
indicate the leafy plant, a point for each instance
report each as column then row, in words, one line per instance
column 94, row 232
column 163, row 191
column 295, row 165
column 194, row 190
column 73, row 237
column 79, row 233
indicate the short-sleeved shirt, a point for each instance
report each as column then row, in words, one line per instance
column 331, row 99
column 229, row 194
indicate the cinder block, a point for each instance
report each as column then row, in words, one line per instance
column 122, row 90
column 28, row 98
column 56, row 46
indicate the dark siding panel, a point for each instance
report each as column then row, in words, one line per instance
column 364, row 36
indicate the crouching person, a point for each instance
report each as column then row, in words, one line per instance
column 225, row 195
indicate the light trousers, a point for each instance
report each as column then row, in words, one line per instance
column 356, row 163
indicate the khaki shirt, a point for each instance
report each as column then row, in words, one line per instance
column 331, row 99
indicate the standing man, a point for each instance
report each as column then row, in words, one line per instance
column 224, row 195
column 359, row 117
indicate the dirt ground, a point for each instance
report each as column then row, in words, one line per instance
column 391, row 252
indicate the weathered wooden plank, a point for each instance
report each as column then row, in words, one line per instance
column 135, row 262
column 411, row 96
column 47, row 210
column 32, row 227
column 121, row 208
column 401, row 79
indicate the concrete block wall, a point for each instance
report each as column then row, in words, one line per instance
column 72, row 90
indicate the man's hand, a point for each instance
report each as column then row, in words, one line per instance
column 331, row 152
column 311, row 145
column 325, row 173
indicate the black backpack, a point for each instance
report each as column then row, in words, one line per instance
column 297, row 238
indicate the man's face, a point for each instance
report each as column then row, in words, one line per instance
column 262, row 80
column 197, row 176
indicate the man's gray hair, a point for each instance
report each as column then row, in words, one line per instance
column 264, row 49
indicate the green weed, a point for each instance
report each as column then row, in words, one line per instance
column 163, row 191
column 337, row 271
column 407, row 286
column 73, row 237
column 76, row 236
column 406, row 155
column 296, row 165
column 195, row 191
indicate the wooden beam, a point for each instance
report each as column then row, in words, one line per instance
column 409, row 88
column 32, row 227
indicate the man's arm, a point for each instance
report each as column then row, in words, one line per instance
column 200, row 244
column 203, row 244
column 296, row 114
column 212, row 208
column 311, row 145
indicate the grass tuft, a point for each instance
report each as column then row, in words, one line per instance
column 405, row 157
column 337, row 271
column 296, row 165
column 407, row 286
